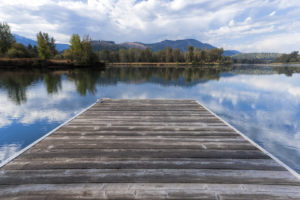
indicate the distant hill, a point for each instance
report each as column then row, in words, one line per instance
column 27, row 41
column 180, row 44
column 133, row 45
column 99, row 45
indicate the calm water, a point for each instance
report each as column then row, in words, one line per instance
column 262, row 102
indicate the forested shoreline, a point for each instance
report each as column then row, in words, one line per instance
column 81, row 53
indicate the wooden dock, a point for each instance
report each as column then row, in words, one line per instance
column 146, row 149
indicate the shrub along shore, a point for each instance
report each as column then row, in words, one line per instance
column 32, row 63
column 45, row 54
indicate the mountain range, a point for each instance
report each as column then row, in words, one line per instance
column 182, row 45
column 27, row 41
column 111, row 45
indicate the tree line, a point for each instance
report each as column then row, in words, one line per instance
column 193, row 55
column 287, row 58
column 81, row 51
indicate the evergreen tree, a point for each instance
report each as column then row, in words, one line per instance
column 52, row 47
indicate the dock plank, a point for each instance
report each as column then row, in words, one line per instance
column 146, row 149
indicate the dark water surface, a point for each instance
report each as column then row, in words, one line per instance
column 261, row 102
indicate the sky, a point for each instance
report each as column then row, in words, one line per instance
column 244, row 25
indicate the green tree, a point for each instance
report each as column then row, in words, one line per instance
column 88, row 56
column 215, row 54
column 169, row 57
column 75, row 47
column 202, row 56
column 46, row 46
column 148, row 55
column 123, row 55
column 18, row 50
column 52, row 47
column 190, row 54
column 82, row 51
column 176, row 55
column 6, row 38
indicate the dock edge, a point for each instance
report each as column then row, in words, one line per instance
column 296, row 174
column 9, row 159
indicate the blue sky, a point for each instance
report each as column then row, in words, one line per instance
column 245, row 25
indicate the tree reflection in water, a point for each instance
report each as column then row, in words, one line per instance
column 16, row 83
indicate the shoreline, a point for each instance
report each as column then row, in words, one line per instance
column 166, row 64
column 60, row 64
column 37, row 63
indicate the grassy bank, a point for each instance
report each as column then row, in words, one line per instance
column 29, row 63
column 141, row 64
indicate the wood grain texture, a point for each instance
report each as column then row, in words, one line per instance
column 146, row 149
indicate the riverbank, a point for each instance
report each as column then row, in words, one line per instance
column 32, row 63
column 269, row 64
column 165, row 64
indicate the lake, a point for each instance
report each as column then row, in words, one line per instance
column 263, row 102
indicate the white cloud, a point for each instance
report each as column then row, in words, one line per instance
column 8, row 150
column 226, row 22
column 272, row 13
column 30, row 113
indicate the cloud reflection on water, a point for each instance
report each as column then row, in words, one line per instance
column 262, row 103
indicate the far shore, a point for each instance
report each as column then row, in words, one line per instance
column 32, row 63
column 162, row 64
column 37, row 63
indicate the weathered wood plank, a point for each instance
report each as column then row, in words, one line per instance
column 116, row 134
column 149, row 153
column 145, row 128
column 145, row 138
column 146, row 191
column 91, row 144
column 58, row 176
column 163, row 163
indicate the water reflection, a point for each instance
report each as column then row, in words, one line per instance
column 16, row 83
column 262, row 102
column 53, row 82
